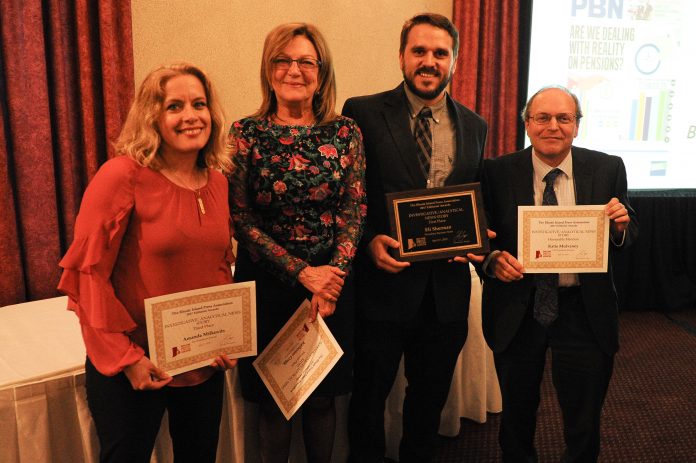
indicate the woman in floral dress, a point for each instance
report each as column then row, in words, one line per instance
column 297, row 202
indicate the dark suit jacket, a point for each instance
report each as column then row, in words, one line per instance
column 508, row 183
column 392, row 166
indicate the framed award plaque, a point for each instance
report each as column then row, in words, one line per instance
column 438, row 223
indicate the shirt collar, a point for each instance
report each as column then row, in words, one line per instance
column 541, row 168
column 415, row 104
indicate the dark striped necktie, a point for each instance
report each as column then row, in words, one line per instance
column 546, row 294
column 424, row 139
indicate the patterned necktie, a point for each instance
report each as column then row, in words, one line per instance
column 546, row 295
column 424, row 139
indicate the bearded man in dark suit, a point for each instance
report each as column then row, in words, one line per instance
column 581, row 329
column 418, row 310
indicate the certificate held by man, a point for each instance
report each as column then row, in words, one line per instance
column 187, row 330
column 563, row 239
column 297, row 359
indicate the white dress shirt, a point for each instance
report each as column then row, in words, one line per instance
column 564, row 187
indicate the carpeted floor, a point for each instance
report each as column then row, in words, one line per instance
column 650, row 412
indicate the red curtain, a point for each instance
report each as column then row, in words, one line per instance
column 65, row 87
column 487, row 74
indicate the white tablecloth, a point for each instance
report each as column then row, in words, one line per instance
column 44, row 415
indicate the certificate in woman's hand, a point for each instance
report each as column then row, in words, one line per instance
column 187, row 330
column 297, row 359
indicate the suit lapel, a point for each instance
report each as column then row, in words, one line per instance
column 396, row 115
column 582, row 176
column 523, row 179
column 460, row 140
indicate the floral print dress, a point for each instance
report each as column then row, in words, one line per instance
column 297, row 198
column 297, row 192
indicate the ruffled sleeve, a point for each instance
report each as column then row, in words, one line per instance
column 87, row 266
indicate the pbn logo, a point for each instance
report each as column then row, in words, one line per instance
column 598, row 8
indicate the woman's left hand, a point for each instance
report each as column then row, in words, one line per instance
column 222, row 362
column 325, row 281
column 322, row 306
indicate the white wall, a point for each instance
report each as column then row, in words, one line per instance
column 225, row 37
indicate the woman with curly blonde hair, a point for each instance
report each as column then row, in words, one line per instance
column 153, row 221
column 140, row 138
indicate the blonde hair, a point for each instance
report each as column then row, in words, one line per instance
column 324, row 101
column 140, row 138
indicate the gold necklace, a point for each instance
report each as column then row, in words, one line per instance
column 196, row 191
column 306, row 123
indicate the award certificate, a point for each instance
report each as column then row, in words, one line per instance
column 187, row 330
column 297, row 359
column 438, row 223
column 563, row 239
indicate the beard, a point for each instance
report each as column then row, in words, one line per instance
column 427, row 94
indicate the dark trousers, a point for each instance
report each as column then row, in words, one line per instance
column 127, row 421
column 580, row 373
column 430, row 349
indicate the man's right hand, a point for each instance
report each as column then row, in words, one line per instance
column 379, row 251
column 506, row 267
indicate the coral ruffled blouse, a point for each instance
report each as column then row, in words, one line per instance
column 138, row 235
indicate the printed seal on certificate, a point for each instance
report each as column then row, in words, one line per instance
column 438, row 223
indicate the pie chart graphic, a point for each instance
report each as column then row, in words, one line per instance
column 648, row 59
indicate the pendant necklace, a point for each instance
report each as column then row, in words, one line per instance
column 196, row 191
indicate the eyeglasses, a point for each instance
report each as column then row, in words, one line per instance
column 545, row 119
column 306, row 64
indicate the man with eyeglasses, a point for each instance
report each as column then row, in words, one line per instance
column 573, row 315
column 415, row 136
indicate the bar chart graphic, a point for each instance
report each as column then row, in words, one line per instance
column 649, row 117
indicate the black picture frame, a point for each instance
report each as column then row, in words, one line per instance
column 438, row 223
